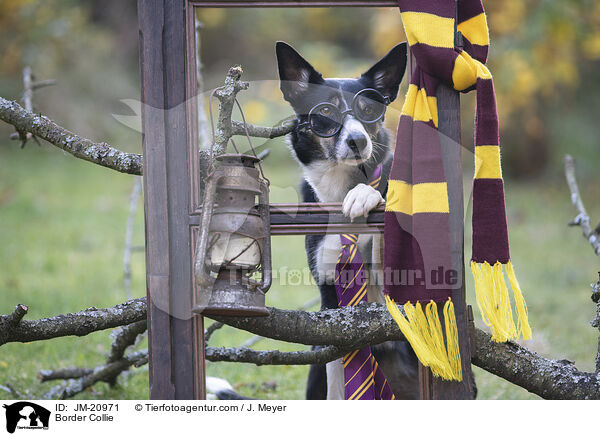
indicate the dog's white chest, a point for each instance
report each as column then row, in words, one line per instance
column 330, row 181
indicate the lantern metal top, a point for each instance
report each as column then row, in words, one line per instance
column 246, row 160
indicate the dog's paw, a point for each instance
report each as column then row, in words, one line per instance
column 360, row 201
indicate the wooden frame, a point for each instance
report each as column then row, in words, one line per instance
column 172, row 203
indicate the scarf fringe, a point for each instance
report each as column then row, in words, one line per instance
column 494, row 301
column 423, row 330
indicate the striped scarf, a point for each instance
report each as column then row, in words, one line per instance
column 363, row 379
column 417, row 233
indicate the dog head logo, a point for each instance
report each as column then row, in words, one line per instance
column 24, row 414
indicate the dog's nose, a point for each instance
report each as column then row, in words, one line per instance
column 357, row 142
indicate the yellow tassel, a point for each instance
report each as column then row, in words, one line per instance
column 494, row 301
column 452, row 339
column 423, row 330
column 523, row 319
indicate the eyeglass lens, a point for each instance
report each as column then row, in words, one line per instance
column 325, row 119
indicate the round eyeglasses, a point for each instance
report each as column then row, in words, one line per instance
column 326, row 119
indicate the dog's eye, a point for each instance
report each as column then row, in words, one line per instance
column 325, row 110
column 368, row 110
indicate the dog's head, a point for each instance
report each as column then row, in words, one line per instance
column 343, row 123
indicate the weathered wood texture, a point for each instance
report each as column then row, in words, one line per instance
column 449, row 127
column 172, row 334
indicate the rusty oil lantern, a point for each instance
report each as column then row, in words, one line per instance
column 234, row 245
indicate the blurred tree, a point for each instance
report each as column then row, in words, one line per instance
column 89, row 47
column 544, row 56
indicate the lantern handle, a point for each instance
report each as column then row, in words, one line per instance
column 202, row 277
column 250, row 140
column 265, row 214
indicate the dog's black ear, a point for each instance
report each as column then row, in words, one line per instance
column 386, row 75
column 295, row 72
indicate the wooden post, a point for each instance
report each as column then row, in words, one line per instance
column 175, row 337
column 449, row 128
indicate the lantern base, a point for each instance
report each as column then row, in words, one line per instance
column 229, row 297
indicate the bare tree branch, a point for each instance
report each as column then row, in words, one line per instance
column 30, row 125
column 72, row 324
column 99, row 153
column 582, row 219
column 550, row 379
column 86, row 377
column 342, row 329
column 133, row 201
column 126, row 337
column 370, row 324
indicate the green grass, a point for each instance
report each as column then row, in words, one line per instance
column 62, row 226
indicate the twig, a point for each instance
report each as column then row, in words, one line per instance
column 264, row 154
column 101, row 373
column 28, row 87
column 11, row 390
column 227, row 95
column 17, row 315
column 208, row 332
column 286, row 126
column 582, row 219
column 27, row 100
column 42, row 84
column 596, row 321
column 126, row 337
column 133, row 201
column 99, row 153
column 63, row 374
column 274, row 357
column 203, row 131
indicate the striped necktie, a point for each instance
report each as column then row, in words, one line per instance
column 363, row 378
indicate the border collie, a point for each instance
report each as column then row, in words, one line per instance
column 339, row 140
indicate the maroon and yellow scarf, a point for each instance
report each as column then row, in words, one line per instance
column 417, row 233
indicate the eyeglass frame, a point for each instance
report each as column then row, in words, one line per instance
column 386, row 102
